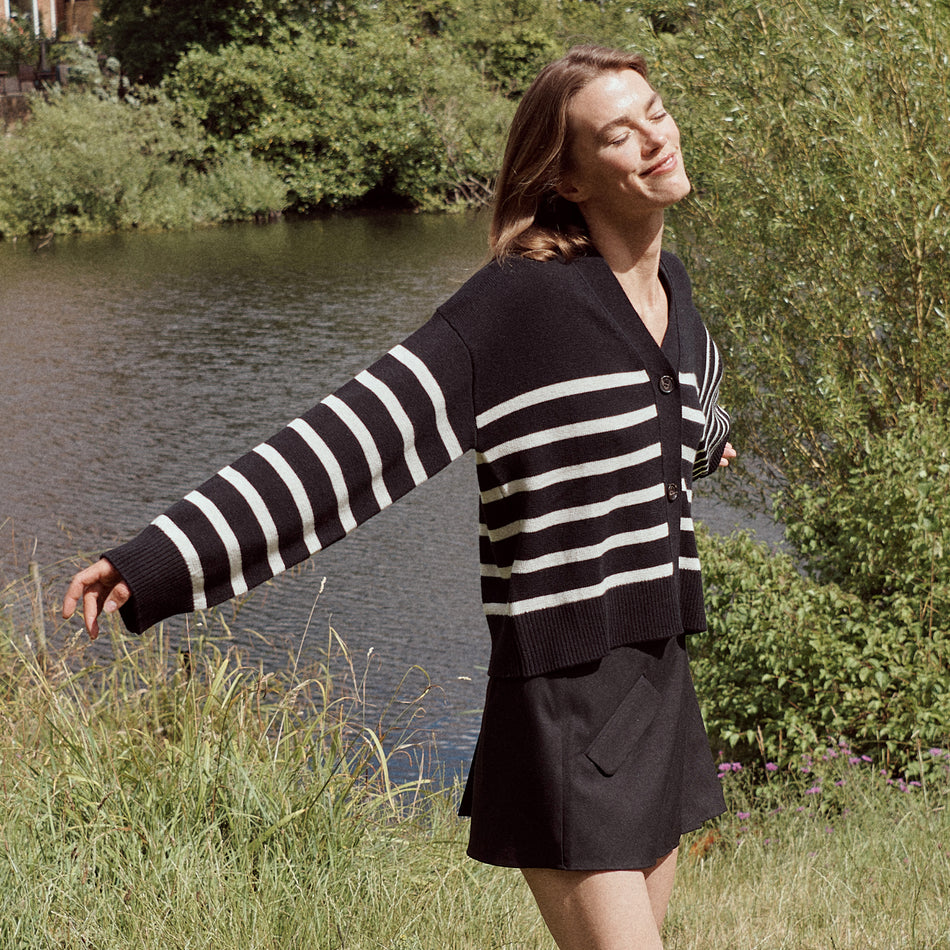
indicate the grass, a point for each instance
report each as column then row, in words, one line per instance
column 149, row 803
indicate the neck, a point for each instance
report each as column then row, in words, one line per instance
column 632, row 252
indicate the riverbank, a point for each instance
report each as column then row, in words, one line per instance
column 156, row 799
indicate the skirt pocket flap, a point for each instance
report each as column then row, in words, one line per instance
column 617, row 738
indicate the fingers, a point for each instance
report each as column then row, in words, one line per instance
column 98, row 588
column 727, row 453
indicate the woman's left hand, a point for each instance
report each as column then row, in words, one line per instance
column 727, row 453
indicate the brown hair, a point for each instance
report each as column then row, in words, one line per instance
column 530, row 219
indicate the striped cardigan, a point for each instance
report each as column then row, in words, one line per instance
column 587, row 434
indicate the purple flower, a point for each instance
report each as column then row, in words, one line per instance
column 742, row 815
column 936, row 753
column 771, row 767
column 814, row 790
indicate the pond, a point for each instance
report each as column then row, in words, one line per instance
column 136, row 365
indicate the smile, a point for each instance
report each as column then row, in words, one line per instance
column 666, row 165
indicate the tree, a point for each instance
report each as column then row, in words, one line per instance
column 150, row 38
column 818, row 228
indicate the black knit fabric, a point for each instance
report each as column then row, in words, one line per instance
column 587, row 434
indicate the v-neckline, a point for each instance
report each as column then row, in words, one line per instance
column 624, row 317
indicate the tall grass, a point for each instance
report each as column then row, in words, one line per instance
column 159, row 801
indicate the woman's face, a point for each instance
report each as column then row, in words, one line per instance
column 625, row 159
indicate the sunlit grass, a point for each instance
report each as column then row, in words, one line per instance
column 156, row 801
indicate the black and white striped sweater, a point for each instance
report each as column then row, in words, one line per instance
column 587, row 437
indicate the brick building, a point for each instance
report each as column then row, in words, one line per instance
column 51, row 17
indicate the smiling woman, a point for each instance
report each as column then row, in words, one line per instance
column 577, row 368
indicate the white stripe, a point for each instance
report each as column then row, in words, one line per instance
column 568, row 472
column 220, row 524
column 689, row 563
column 575, row 555
column 355, row 424
column 689, row 379
column 570, row 431
column 595, row 510
column 686, row 524
column 571, row 387
column 333, row 470
column 580, row 593
column 187, row 550
column 403, row 423
column 434, row 391
column 251, row 495
column 689, row 455
column 694, row 415
column 289, row 477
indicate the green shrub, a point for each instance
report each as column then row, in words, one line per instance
column 87, row 163
column 18, row 44
column 789, row 662
column 369, row 120
column 884, row 530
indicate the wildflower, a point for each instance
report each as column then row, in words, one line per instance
column 839, row 783
column 742, row 815
column 936, row 753
column 771, row 767
column 814, row 790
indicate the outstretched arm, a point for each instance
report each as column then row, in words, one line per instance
column 98, row 588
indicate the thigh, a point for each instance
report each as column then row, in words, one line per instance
column 604, row 910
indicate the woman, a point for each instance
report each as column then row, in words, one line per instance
column 578, row 369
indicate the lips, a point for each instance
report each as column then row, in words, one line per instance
column 663, row 165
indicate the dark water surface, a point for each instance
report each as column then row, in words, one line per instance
column 134, row 366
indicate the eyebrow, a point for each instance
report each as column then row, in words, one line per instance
column 605, row 131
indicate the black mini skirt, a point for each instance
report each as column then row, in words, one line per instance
column 597, row 767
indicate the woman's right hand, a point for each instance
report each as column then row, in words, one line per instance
column 99, row 588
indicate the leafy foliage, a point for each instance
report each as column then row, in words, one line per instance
column 819, row 228
column 18, row 44
column 371, row 119
column 790, row 662
column 150, row 39
column 85, row 163
column 885, row 529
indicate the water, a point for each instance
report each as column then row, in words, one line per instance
column 134, row 366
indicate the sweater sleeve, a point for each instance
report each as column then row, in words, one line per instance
column 717, row 422
column 381, row 434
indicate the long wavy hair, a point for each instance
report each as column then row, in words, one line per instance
column 530, row 218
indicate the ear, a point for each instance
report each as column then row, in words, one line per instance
column 569, row 189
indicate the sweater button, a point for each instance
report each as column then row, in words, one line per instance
column 672, row 491
column 666, row 384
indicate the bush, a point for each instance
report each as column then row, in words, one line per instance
column 18, row 44
column 85, row 163
column 369, row 120
column 789, row 662
column 884, row 529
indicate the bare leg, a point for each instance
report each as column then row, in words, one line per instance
column 604, row 910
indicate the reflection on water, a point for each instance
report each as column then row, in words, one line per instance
column 134, row 366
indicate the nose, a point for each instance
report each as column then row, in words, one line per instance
column 654, row 140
